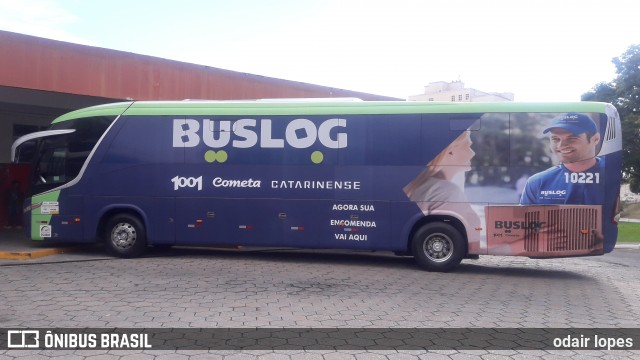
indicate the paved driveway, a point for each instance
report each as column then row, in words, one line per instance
column 188, row 288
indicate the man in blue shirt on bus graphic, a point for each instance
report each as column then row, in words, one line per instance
column 579, row 179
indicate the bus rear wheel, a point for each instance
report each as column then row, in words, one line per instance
column 438, row 247
column 125, row 236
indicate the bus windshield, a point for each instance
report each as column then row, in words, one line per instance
column 60, row 158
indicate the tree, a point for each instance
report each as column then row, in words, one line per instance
column 624, row 93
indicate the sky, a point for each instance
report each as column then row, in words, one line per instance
column 540, row 50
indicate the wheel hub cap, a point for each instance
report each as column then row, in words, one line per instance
column 438, row 247
column 123, row 235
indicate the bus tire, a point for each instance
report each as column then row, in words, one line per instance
column 438, row 247
column 125, row 236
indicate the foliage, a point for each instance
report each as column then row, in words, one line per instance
column 628, row 232
column 624, row 93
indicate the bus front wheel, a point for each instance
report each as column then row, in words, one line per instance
column 438, row 247
column 125, row 236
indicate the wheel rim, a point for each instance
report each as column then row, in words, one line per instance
column 438, row 247
column 123, row 235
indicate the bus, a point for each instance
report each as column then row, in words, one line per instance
column 441, row 182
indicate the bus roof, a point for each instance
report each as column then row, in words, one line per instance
column 324, row 107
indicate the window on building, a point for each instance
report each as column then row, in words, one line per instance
column 430, row 99
column 460, row 97
column 466, row 96
column 453, row 98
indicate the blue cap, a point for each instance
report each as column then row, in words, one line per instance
column 574, row 123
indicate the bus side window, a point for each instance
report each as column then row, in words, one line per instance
column 464, row 124
column 383, row 140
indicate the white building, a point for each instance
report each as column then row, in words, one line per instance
column 456, row 92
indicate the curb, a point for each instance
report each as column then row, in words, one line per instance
column 26, row 255
column 634, row 246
